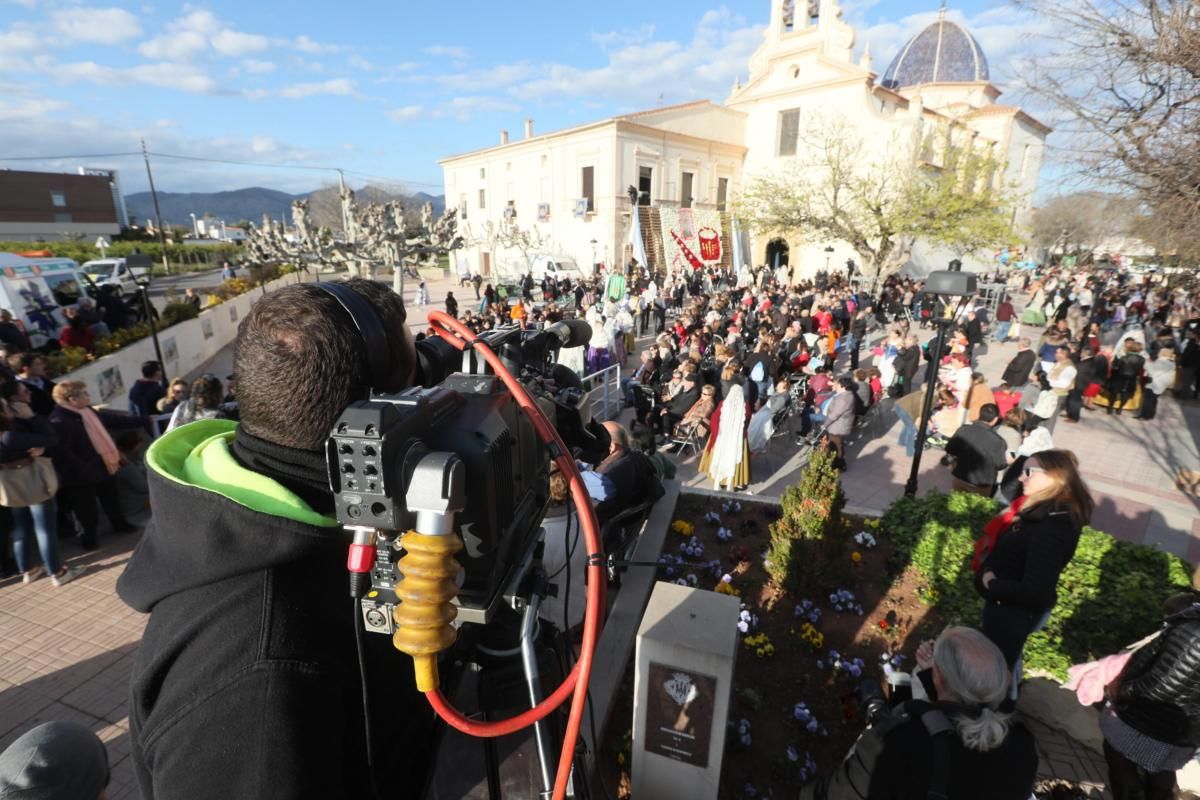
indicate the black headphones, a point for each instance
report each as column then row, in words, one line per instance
column 370, row 327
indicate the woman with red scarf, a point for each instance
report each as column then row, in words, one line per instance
column 1024, row 550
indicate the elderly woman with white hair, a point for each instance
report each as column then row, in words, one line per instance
column 955, row 742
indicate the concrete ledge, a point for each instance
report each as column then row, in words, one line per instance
column 620, row 627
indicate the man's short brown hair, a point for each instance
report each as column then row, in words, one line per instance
column 300, row 361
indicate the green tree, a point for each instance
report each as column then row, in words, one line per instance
column 882, row 200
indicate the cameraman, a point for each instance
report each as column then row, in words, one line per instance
column 957, row 747
column 247, row 681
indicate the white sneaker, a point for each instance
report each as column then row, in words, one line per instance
column 32, row 575
column 67, row 575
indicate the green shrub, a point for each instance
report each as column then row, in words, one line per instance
column 174, row 313
column 808, row 541
column 66, row 360
column 1110, row 594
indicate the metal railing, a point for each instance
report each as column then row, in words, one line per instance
column 605, row 391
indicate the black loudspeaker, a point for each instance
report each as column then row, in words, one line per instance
column 945, row 282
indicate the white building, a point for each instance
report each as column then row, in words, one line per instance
column 688, row 161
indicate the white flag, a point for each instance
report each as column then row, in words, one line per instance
column 635, row 239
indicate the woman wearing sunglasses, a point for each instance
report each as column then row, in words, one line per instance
column 1024, row 549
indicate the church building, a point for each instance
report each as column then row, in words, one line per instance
column 569, row 190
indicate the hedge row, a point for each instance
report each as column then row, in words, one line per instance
column 183, row 257
column 1109, row 596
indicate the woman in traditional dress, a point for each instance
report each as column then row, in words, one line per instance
column 726, row 458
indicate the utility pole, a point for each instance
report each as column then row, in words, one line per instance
column 162, row 239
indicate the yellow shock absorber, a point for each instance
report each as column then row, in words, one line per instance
column 425, row 612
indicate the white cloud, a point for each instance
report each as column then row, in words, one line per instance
column 180, row 46
column 611, row 40
column 641, row 68
column 406, row 113
column 456, row 52
column 463, row 108
column 358, row 62
column 27, row 108
column 307, row 45
column 234, row 43
column 164, row 74
column 199, row 33
column 256, row 67
column 336, row 86
column 18, row 39
column 79, row 132
column 482, row 80
column 96, row 25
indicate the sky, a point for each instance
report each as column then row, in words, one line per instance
column 381, row 90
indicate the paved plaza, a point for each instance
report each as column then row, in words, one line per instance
column 66, row 653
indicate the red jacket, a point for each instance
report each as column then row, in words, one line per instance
column 77, row 337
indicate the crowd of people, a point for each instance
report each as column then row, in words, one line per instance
column 60, row 456
column 723, row 363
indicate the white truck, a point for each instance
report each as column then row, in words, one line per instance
column 541, row 265
column 114, row 272
column 35, row 291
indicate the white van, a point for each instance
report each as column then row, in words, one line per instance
column 114, row 272
column 35, row 291
column 541, row 265
column 557, row 267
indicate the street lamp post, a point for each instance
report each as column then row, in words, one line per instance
column 143, row 261
column 949, row 283
column 828, row 254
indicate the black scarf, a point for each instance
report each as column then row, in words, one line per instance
column 300, row 471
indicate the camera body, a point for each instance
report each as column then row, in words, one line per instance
column 376, row 444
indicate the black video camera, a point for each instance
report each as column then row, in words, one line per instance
column 461, row 408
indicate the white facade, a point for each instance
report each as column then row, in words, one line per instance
column 537, row 184
column 803, row 69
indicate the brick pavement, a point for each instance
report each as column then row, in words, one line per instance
column 66, row 653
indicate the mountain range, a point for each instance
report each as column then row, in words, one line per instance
column 250, row 204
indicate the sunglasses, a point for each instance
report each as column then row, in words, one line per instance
column 1028, row 471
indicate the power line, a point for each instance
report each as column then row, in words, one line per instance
column 391, row 180
column 244, row 163
column 68, row 158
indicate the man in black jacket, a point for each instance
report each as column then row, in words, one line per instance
column 1016, row 374
column 31, row 371
column 1188, row 364
column 906, row 364
column 247, row 683
column 979, row 453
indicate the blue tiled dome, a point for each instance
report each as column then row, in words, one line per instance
column 942, row 53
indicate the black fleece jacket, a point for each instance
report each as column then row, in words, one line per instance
column 246, row 684
column 1029, row 557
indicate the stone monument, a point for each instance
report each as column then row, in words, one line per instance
column 686, row 649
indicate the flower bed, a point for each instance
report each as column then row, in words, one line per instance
column 854, row 600
column 793, row 710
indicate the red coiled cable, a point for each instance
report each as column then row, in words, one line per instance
column 459, row 335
